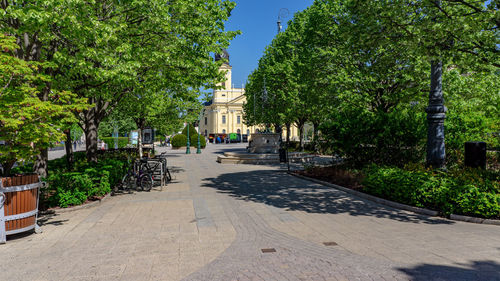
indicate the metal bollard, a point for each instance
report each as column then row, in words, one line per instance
column 3, row 235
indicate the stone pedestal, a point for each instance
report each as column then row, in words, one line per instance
column 264, row 143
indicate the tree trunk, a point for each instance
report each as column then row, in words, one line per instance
column 91, row 140
column 279, row 130
column 7, row 167
column 287, row 133
column 41, row 160
column 41, row 163
column 316, row 137
column 300, row 126
column 140, row 126
column 315, row 131
column 139, row 142
column 69, row 150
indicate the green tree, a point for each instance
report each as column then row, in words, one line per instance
column 26, row 121
column 101, row 48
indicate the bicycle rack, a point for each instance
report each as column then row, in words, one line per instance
column 159, row 176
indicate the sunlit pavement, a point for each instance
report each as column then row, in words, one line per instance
column 214, row 221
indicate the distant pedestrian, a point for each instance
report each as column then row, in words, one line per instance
column 74, row 146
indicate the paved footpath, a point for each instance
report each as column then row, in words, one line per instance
column 213, row 221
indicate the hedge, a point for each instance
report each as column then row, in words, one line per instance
column 194, row 141
column 110, row 141
column 472, row 192
column 180, row 140
column 86, row 182
column 192, row 131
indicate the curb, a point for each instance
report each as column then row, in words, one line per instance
column 75, row 208
column 401, row 206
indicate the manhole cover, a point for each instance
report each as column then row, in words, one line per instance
column 330, row 244
column 270, row 250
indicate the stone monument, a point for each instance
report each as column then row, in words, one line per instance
column 264, row 143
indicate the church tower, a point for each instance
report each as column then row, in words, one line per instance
column 226, row 68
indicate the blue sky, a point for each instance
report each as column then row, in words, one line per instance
column 257, row 21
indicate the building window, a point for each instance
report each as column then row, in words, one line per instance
column 206, row 133
column 223, row 119
column 206, row 120
column 223, row 131
column 223, row 95
column 238, row 132
column 248, row 132
column 238, row 119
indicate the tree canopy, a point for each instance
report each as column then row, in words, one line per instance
column 359, row 72
column 157, row 53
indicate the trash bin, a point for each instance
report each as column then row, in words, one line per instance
column 282, row 153
column 475, row 154
column 18, row 204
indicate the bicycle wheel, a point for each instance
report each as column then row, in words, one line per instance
column 128, row 182
column 146, row 182
column 168, row 176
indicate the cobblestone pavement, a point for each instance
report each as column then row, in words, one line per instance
column 213, row 221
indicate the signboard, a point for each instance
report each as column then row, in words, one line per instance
column 134, row 137
column 148, row 136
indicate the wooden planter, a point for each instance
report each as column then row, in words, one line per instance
column 18, row 204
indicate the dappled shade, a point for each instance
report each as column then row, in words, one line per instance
column 287, row 192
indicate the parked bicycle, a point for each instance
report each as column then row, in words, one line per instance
column 138, row 177
column 163, row 159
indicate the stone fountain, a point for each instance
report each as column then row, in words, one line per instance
column 262, row 149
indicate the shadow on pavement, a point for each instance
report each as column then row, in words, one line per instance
column 221, row 150
column 175, row 169
column 287, row 192
column 478, row 270
column 48, row 218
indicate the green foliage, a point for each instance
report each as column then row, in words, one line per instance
column 194, row 141
column 27, row 122
column 67, row 189
column 473, row 101
column 87, row 182
column 110, row 141
column 360, row 71
column 76, row 132
column 146, row 58
column 391, row 138
column 123, row 123
column 192, row 131
column 179, row 140
column 472, row 192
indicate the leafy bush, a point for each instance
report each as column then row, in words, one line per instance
column 178, row 140
column 67, row 189
column 194, row 141
column 391, row 138
column 192, row 131
column 461, row 191
column 86, row 182
column 110, row 141
column 181, row 140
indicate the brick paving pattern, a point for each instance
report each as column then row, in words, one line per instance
column 213, row 221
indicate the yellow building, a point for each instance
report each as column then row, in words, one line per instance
column 223, row 115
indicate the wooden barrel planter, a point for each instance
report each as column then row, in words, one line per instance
column 18, row 204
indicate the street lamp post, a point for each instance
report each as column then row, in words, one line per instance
column 436, row 113
column 198, row 150
column 188, row 144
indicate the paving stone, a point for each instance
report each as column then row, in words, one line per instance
column 212, row 221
